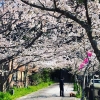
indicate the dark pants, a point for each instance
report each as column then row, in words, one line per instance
column 61, row 91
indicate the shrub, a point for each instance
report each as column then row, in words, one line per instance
column 44, row 75
column 35, row 78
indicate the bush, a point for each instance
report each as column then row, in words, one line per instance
column 5, row 96
column 44, row 75
column 35, row 78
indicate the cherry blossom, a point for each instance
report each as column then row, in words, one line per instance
column 89, row 53
column 86, row 60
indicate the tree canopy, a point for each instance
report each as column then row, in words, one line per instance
column 50, row 33
column 56, row 30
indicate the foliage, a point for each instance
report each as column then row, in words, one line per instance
column 78, row 95
column 5, row 96
column 42, row 76
column 46, row 75
column 39, row 80
column 35, row 78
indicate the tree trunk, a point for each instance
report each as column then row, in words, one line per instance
column 93, row 43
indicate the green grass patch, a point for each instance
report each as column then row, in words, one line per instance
column 79, row 91
column 5, row 96
column 78, row 88
column 78, row 95
column 75, row 87
column 18, row 92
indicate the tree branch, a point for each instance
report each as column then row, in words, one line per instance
column 41, row 4
column 55, row 4
column 38, row 35
column 9, row 58
column 87, row 14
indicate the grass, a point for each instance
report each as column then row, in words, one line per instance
column 5, row 96
column 78, row 95
column 75, row 87
column 79, row 92
column 18, row 92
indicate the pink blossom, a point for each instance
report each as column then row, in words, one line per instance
column 81, row 65
column 89, row 53
column 86, row 60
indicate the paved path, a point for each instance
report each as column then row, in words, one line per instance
column 50, row 93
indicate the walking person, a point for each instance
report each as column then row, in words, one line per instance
column 61, row 85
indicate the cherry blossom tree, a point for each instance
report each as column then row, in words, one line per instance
column 16, row 36
column 84, row 13
column 53, row 30
column 63, row 9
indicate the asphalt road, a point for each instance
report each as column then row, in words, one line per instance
column 51, row 93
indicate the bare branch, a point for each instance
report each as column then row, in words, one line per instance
column 4, row 14
column 38, row 35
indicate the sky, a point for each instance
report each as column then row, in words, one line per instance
column 1, row 3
